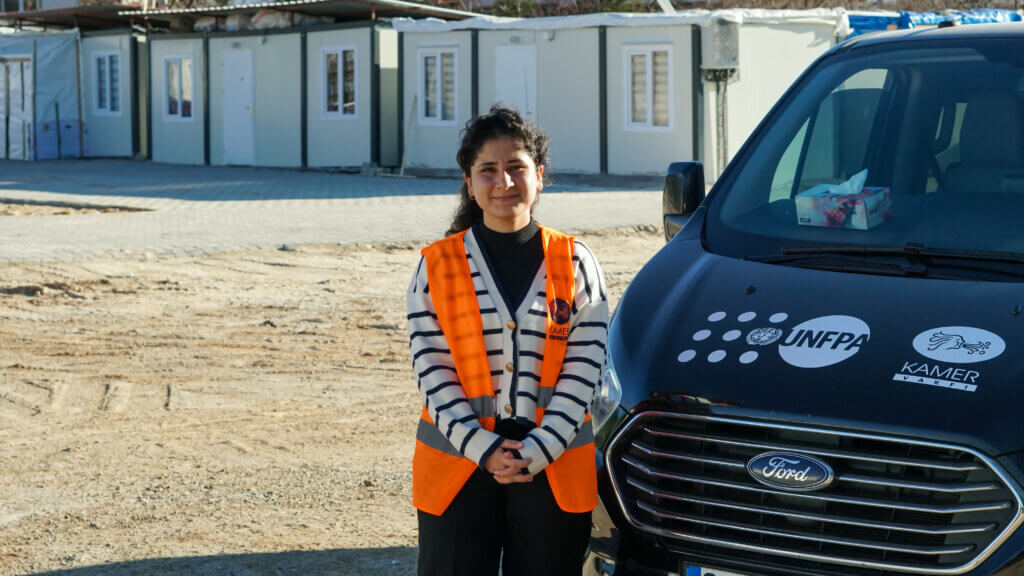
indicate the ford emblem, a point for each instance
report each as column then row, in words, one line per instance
column 790, row 471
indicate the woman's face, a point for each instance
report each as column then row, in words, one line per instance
column 505, row 183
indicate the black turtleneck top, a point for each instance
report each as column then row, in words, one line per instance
column 514, row 258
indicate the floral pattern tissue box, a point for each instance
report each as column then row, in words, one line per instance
column 824, row 205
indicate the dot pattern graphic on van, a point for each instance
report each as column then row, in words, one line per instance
column 755, row 337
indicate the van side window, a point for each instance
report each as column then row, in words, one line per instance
column 832, row 144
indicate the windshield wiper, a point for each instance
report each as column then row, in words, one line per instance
column 908, row 249
column 916, row 256
column 855, row 263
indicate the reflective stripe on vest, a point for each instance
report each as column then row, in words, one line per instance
column 439, row 470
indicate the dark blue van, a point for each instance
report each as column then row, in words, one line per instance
column 822, row 372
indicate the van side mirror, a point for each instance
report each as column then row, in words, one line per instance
column 684, row 191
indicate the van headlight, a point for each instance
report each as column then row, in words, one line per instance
column 607, row 397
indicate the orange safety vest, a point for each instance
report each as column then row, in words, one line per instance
column 438, row 475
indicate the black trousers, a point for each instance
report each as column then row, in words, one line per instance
column 517, row 525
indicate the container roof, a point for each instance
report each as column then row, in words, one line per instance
column 835, row 17
column 86, row 17
column 343, row 9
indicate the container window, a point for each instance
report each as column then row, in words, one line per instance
column 649, row 91
column 178, row 74
column 186, row 87
column 107, row 74
column 430, row 86
column 448, row 76
column 349, row 82
column 439, row 82
column 114, row 68
column 332, row 81
column 101, row 83
column 173, row 87
column 340, row 82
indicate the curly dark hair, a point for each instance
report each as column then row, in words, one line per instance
column 496, row 123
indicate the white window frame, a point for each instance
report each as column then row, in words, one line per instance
column 628, row 51
column 163, row 84
column 421, row 57
column 340, row 51
column 106, row 111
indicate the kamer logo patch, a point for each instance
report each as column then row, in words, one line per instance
column 559, row 311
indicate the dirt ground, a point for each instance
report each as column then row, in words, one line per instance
column 238, row 413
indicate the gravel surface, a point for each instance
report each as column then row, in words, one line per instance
column 245, row 412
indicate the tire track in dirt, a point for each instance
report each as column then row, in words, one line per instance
column 117, row 397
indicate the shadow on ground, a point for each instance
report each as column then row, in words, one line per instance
column 137, row 179
column 395, row 561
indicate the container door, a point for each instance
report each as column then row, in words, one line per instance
column 239, row 143
column 515, row 79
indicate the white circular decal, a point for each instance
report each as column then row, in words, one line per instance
column 959, row 344
column 716, row 317
column 716, row 356
column 748, row 357
column 824, row 341
column 701, row 335
column 686, row 355
column 776, row 318
column 731, row 335
column 747, row 316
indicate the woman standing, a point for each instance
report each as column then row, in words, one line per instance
column 507, row 324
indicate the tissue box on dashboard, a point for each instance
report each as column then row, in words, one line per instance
column 823, row 206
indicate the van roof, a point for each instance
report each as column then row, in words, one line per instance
column 997, row 30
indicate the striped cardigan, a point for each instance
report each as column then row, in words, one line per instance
column 513, row 338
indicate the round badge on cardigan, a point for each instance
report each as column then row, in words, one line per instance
column 559, row 310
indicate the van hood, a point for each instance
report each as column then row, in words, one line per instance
column 933, row 359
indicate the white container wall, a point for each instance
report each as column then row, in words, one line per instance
column 762, row 77
column 177, row 100
column 438, row 77
column 107, row 89
column 339, row 108
column 255, row 100
column 650, row 98
column 550, row 76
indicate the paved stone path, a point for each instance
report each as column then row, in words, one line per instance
column 197, row 209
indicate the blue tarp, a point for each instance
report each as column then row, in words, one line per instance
column 867, row 22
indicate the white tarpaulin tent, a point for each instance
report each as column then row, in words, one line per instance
column 40, row 114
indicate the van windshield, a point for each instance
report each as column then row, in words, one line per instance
column 886, row 146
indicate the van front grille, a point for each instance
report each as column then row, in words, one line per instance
column 896, row 505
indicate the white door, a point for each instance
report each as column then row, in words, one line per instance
column 239, row 143
column 515, row 78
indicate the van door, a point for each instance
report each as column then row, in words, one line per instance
column 239, row 143
column 515, row 78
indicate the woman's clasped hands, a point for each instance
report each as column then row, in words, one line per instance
column 505, row 467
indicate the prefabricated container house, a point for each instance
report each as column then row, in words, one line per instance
column 320, row 96
column 115, row 94
column 617, row 93
column 178, row 106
